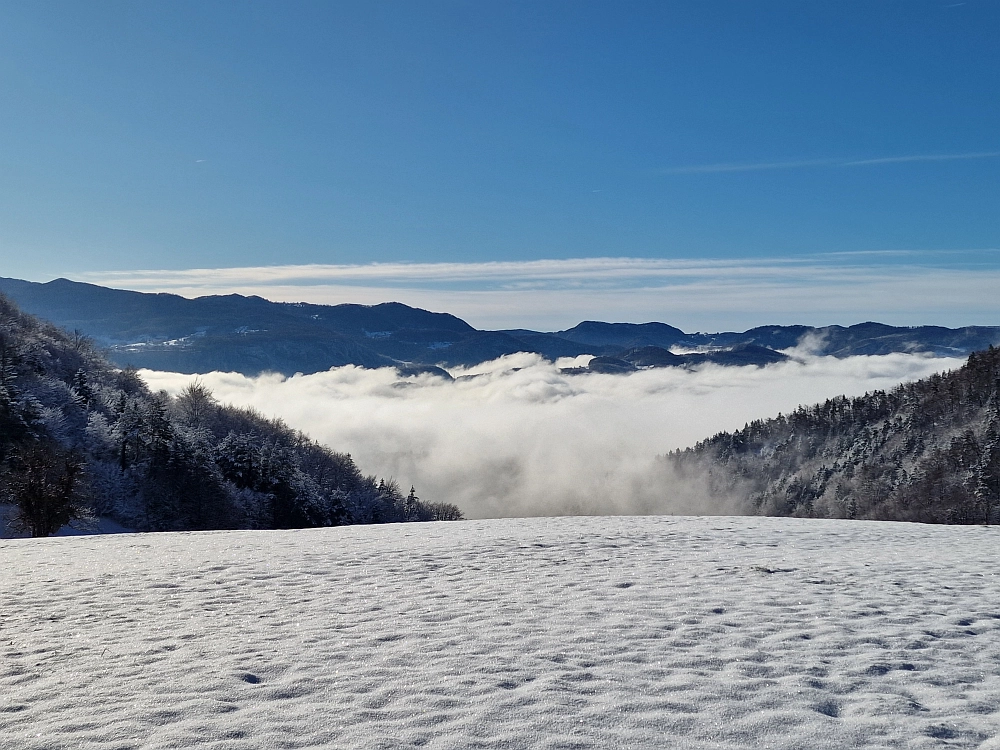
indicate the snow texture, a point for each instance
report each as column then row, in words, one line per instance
column 616, row 632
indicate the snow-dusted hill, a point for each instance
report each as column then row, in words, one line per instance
column 546, row 633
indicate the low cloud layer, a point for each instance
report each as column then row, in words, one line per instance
column 515, row 437
column 953, row 288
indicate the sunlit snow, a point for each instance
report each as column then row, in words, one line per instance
column 616, row 632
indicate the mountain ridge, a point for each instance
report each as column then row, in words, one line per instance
column 251, row 335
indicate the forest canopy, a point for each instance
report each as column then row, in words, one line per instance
column 925, row 451
column 80, row 438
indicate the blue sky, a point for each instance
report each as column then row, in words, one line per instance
column 857, row 143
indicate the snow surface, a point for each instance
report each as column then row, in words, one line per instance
column 620, row 632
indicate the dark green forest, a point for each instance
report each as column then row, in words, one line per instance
column 81, row 439
column 925, row 451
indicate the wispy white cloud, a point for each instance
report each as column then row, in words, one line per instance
column 751, row 167
column 923, row 157
column 696, row 294
column 571, row 270
column 838, row 162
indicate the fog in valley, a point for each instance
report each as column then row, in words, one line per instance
column 517, row 437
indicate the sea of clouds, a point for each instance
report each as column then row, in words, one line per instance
column 518, row 437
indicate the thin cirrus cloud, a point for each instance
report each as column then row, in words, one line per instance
column 814, row 163
column 896, row 287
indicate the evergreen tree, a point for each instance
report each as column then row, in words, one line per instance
column 44, row 484
column 987, row 469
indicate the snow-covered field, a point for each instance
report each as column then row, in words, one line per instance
column 619, row 632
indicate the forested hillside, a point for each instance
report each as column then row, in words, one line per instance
column 925, row 451
column 80, row 438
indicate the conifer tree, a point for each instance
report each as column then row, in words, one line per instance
column 43, row 484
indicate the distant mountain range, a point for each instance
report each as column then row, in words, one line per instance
column 253, row 335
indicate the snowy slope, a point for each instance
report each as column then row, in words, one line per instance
column 547, row 633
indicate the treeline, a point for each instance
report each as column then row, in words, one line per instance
column 926, row 451
column 80, row 439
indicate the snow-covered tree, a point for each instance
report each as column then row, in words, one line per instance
column 78, row 432
column 44, row 485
